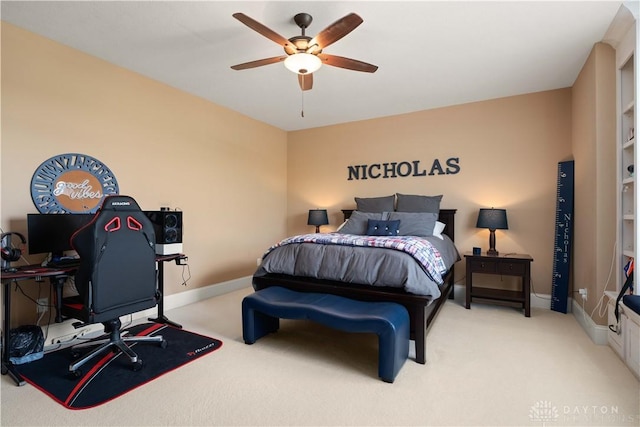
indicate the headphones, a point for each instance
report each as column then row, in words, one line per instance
column 8, row 253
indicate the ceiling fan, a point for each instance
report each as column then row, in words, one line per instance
column 304, row 54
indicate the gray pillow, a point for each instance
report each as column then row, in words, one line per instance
column 375, row 204
column 414, row 203
column 415, row 223
column 359, row 221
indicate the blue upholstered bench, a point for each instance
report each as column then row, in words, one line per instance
column 262, row 311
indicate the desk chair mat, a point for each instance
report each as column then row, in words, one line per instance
column 110, row 376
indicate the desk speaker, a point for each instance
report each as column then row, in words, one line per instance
column 167, row 226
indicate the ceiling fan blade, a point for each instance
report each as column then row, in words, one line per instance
column 259, row 62
column 348, row 63
column 267, row 32
column 306, row 81
column 336, row 31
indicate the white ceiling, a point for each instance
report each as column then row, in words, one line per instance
column 430, row 54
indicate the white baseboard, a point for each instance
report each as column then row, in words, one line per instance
column 597, row 333
column 194, row 295
column 543, row 301
column 57, row 334
column 64, row 333
column 537, row 301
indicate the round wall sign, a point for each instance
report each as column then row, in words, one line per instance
column 71, row 183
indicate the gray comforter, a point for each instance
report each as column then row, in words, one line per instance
column 375, row 266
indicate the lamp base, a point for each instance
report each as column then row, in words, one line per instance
column 492, row 243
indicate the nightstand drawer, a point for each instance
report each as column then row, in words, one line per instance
column 511, row 268
column 490, row 267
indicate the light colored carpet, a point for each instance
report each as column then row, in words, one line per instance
column 485, row 366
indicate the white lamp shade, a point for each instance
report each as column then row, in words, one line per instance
column 302, row 63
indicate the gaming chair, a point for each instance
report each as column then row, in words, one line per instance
column 116, row 276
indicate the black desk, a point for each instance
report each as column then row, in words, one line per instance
column 161, row 259
column 57, row 277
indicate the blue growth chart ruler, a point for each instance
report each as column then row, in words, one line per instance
column 563, row 237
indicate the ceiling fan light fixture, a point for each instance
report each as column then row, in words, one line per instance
column 302, row 63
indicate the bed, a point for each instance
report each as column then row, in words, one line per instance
column 422, row 303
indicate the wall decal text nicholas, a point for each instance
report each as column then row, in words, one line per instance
column 403, row 169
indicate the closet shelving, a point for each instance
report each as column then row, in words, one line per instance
column 628, row 199
column 624, row 333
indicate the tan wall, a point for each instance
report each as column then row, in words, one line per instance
column 170, row 148
column 508, row 152
column 165, row 147
column 594, row 148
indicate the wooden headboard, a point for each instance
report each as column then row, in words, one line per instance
column 446, row 216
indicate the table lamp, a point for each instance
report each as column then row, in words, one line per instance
column 318, row 217
column 493, row 219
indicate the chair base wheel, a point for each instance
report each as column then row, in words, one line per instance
column 137, row 365
column 74, row 375
column 164, row 344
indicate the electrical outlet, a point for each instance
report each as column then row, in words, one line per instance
column 583, row 292
column 43, row 305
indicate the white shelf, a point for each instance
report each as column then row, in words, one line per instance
column 627, row 155
column 625, row 340
column 628, row 233
column 629, row 108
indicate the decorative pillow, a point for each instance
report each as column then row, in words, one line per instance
column 438, row 229
column 359, row 221
column 414, row 203
column 382, row 228
column 375, row 204
column 415, row 223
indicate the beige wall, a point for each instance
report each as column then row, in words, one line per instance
column 170, row 148
column 166, row 148
column 508, row 152
column 594, row 148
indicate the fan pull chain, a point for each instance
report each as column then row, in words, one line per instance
column 302, row 77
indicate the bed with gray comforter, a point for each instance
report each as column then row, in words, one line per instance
column 414, row 264
column 414, row 271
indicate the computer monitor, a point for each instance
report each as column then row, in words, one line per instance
column 51, row 233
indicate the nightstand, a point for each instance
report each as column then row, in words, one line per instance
column 506, row 265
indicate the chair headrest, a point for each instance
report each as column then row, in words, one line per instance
column 120, row 203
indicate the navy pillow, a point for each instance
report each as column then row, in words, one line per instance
column 382, row 228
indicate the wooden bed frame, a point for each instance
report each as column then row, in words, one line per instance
column 421, row 312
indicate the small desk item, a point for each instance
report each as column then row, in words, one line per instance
column 161, row 259
column 507, row 265
column 56, row 275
